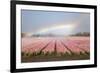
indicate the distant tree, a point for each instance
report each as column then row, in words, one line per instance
column 81, row 34
column 23, row 34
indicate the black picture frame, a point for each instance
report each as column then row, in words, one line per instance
column 13, row 35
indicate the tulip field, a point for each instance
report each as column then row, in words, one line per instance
column 39, row 49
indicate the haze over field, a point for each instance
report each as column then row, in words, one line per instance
column 54, row 23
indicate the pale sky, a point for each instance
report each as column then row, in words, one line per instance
column 61, row 23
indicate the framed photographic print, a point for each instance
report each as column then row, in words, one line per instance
column 52, row 36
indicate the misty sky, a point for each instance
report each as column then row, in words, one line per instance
column 62, row 23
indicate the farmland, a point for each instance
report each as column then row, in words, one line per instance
column 40, row 49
